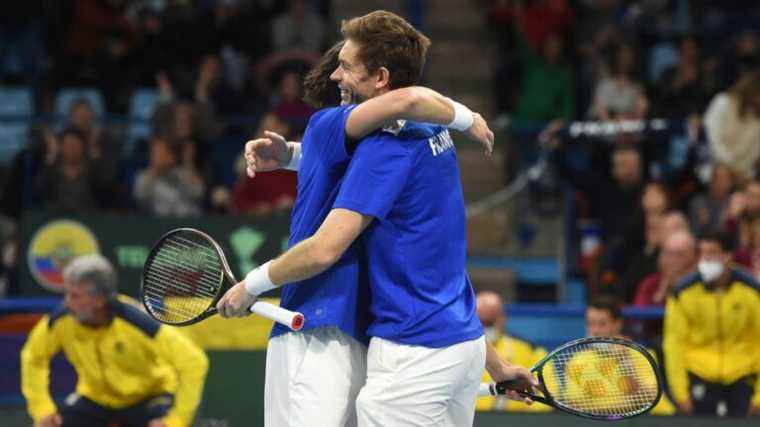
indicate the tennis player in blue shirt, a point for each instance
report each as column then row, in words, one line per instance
column 427, row 352
column 313, row 376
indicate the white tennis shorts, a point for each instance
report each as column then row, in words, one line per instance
column 312, row 379
column 420, row 386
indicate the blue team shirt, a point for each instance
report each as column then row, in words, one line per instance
column 416, row 245
column 338, row 296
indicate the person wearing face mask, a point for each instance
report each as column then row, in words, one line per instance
column 712, row 335
column 490, row 310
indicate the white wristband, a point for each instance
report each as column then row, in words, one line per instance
column 295, row 160
column 257, row 281
column 462, row 117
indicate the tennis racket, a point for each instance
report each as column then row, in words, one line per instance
column 185, row 276
column 599, row 378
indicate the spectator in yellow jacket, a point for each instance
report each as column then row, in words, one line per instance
column 712, row 335
column 490, row 310
column 131, row 370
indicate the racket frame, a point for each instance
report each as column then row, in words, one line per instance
column 228, row 279
column 547, row 398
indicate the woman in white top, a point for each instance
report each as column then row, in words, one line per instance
column 619, row 96
column 732, row 121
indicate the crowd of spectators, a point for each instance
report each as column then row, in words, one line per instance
column 161, row 95
column 666, row 217
column 693, row 63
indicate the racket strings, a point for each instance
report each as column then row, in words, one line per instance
column 182, row 278
column 602, row 379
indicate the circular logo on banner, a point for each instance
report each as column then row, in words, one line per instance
column 53, row 246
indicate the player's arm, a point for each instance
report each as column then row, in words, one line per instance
column 410, row 103
column 191, row 365
column 502, row 370
column 307, row 259
column 419, row 104
column 674, row 337
column 319, row 252
column 39, row 348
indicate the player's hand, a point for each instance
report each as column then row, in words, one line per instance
column 507, row 372
column 686, row 407
column 266, row 154
column 754, row 410
column 236, row 302
column 52, row 420
column 481, row 133
column 158, row 422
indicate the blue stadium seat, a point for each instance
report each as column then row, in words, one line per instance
column 16, row 101
column 141, row 108
column 143, row 103
column 67, row 96
column 13, row 137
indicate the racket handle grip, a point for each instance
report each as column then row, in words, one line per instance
column 291, row 319
column 486, row 389
column 495, row 389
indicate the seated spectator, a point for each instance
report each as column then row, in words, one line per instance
column 68, row 181
column 102, row 147
column 706, row 210
column 166, row 188
column 632, row 256
column 267, row 192
column 711, row 335
column 748, row 253
column 289, row 105
column 614, row 195
column 732, row 122
column 490, row 310
column 620, row 96
column 181, row 119
column 546, row 83
column 299, row 28
column 673, row 222
column 190, row 126
column 604, row 318
column 131, row 370
column 214, row 91
column 677, row 258
column 744, row 206
column 681, row 91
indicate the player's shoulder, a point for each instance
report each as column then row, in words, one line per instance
column 417, row 131
column 741, row 275
column 687, row 282
column 133, row 315
column 59, row 313
column 329, row 113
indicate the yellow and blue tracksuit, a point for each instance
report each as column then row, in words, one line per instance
column 131, row 359
column 712, row 333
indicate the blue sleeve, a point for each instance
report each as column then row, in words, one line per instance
column 376, row 176
column 328, row 133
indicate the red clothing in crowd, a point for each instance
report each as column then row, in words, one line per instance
column 265, row 190
column 646, row 289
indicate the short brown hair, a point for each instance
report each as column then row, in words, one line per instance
column 609, row 303
column 319, row 90
column 387, row 40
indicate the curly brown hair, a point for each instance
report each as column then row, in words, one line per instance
column 319, row 90
column 387, row 40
